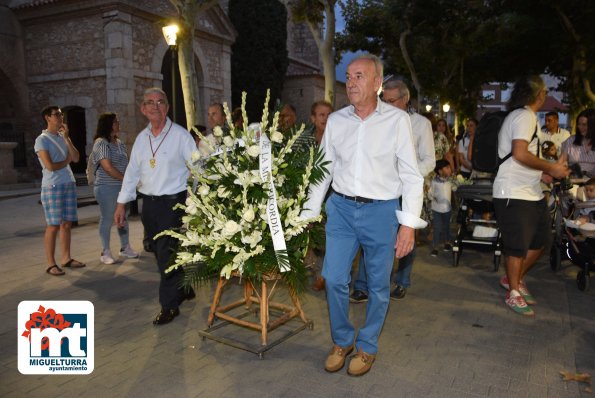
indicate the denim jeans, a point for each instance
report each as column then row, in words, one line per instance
column 441, row 227
column 106, row 196
column 373, row 226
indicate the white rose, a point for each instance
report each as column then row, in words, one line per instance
column 248, row 215
column 195, row 156
column 277, row 137
column 230, row 228
column 228, row 141
column 217, row 131
column 203, row 190
column 253, row 151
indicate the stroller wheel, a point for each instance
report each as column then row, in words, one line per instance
column 555, row 257
column 583, row 280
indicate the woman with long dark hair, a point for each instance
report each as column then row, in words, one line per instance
column 579, row 148
column 109, row 163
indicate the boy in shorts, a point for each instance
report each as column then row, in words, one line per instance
column 55, row 151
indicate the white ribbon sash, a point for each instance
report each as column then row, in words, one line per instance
column 274, row 218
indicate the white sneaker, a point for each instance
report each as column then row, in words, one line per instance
column 128, row 252
column 106, row 257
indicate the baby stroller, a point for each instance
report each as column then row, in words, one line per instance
column 571, row 240
column 477, row 226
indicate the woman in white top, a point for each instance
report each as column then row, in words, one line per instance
column 578, row 149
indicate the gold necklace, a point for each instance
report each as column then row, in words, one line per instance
column 152, row 162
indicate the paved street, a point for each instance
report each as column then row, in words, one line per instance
column 452, row 335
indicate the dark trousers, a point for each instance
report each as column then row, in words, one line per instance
column 157, row 216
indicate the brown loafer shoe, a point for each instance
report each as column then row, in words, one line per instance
column 360, row 363
column 336, row 358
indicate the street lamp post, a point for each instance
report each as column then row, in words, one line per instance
column 170, row 34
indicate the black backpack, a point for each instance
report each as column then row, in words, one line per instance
column 485, row 143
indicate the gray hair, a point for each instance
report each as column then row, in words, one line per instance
column 371, row 57
column 525, row 91
column 392, row 84
column 152, row 90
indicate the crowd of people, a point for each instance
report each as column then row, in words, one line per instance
column 385, row 162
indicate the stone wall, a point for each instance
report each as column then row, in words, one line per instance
column 303, row 91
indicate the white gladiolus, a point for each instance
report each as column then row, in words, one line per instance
column 277, row 137
column 217, row 131
column 203, row 190
column 195, row 156
column 222, row 192
column 191, row 208
column 228, row 141
column 253, row 151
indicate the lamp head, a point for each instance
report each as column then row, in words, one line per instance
column 170, row 34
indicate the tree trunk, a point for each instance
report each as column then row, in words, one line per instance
column 188, row 11
column 325, row 49
column 410, row 66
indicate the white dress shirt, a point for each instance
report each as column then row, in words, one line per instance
column 423, row 139
column 373, row 158
column 170, row 174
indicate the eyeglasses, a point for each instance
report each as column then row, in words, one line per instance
column 58, row 114
column 153, row 103
column 392, row 100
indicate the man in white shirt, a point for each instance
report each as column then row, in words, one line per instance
column 369, row 147
column 158, row 164
column 215, row 117
column 396, row 93
column 552, row 132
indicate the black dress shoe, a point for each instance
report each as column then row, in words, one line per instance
column 187, row 295
column 358, row 297
column 398, row 293
column 166, row 316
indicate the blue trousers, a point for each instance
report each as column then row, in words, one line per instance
column 373, row 226
column 106, row 196
column 441, row 227
column 402, row 277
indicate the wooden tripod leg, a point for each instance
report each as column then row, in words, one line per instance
column 216, row 298
column 298, row 305
column 264, row 313
column 248, row 293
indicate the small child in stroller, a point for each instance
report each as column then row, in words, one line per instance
column 586, row 210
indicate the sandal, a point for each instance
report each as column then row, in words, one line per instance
column 72, row 263
column 55, row 273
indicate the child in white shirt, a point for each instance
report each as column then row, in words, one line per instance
column 440, row 195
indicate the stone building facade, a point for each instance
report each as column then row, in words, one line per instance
column 93, row 56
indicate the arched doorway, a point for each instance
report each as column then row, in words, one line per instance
column 74, row 116
column 168, row 65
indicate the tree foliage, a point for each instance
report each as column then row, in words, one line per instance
column 259, row 56
column 450, row 48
